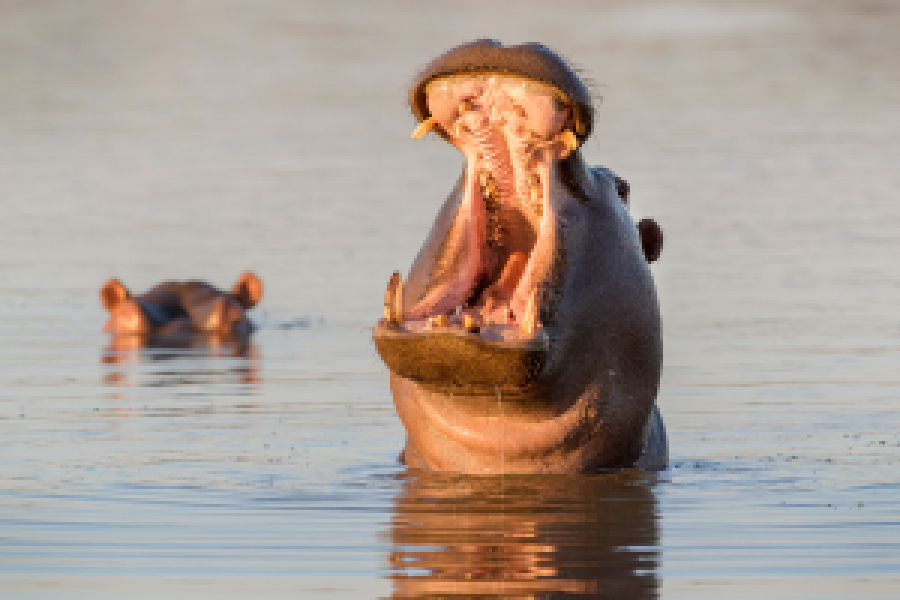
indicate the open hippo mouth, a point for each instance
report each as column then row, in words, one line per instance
column 478, row 310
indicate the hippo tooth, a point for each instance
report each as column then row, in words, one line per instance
column 530, row 318
column 438, row 321
column 423, row 128
column 393, row 300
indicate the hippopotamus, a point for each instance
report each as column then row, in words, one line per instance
column 175, row 312
column 527, row 336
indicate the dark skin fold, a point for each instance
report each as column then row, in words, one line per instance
column 175, row 311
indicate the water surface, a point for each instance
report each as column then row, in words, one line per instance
column 154, row 141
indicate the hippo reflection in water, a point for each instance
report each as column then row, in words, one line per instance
column 527, row 337
column 525, row 536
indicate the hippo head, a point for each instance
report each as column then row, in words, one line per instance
column 526, row 337
column 174, row 312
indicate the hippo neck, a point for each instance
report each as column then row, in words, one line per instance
column 493, row 435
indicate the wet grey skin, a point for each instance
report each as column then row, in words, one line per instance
column 527, row 336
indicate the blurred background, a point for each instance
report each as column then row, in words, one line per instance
column 200, row 138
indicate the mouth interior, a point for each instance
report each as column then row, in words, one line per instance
column 489, row 275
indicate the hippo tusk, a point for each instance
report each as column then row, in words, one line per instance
column 423, row 128
column 568, row 140
column 393, row 300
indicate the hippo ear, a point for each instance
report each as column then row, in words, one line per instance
column 623, row 189
column 112, row 294
column 651, row 239
column 248, row 290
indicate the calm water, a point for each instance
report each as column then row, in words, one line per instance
column 153, row 140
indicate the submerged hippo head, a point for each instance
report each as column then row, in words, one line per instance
column 527, row 337
column 172, row 313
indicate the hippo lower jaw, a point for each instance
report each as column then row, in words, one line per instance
column 478, row 326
